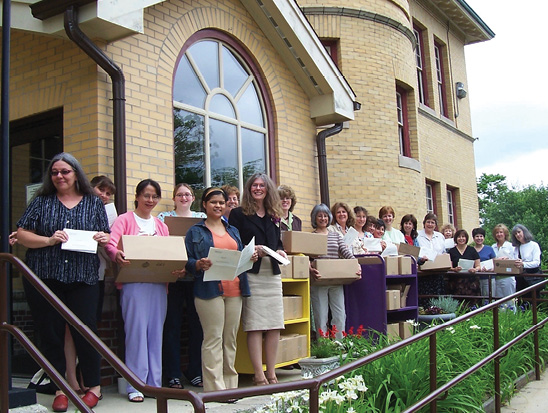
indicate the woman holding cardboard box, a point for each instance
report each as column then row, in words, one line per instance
column 219, row 303
column 328, row 297
column 504, row 285
column 180, row 301
column 65, row 201
column 259, row 217
column 144, row 305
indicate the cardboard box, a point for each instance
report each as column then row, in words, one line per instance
column 301, row 266
column 506, row 267
column 293, row 307
column 392, row 264
column 405, row 265
column 335, row 272
column 180, row 225
column 287, row 270
column 393, row 299
column 291, row 347
column 406, row 249
column 393, row 331
column 441, row 263
column 298, row 242
column 152, row 258
column 404, row 292
column 406, row 329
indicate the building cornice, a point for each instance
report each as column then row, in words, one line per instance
column 445, row 124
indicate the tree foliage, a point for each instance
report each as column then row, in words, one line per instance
column 501, row 203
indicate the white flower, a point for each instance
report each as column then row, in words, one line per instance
column 451, row 330
column 351, row 410
column 351, row 394
column 475, row 327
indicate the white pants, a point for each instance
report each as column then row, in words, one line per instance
column 484, row 287
column 324, row 298
column 504, row 287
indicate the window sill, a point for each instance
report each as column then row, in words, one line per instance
column 409, row 163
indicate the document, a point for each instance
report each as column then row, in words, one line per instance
column 372, row 244
column 282, row 260
column 488, row 265
column 466, row 264
column 80, row 241
column 112, row 214
column 428, row 253
column 351, row 236
column 390, row 249
column 449, row 243
column 227, row 264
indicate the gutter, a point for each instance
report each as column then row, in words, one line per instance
column 322, row 160
column 118, row 96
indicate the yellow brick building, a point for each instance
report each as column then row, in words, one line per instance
column 300, row 68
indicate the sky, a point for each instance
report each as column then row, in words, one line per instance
column 508, row 91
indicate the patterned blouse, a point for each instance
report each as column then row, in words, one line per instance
column 44, row 216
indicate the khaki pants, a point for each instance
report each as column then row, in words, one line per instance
column 220, row 319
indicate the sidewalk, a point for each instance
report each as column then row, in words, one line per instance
column 532, row 398
column 118, row 403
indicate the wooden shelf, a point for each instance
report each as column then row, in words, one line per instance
column 290, row 286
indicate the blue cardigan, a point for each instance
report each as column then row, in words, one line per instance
column 198, row 240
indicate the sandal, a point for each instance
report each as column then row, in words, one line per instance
column 197, row 381
column 136, row 397
column 272, row 380
column 175, row 383
column 263, row 382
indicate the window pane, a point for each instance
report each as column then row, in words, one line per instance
column 223, row 153
column 206, row 56
column 221, row 105
column 189, row 148
column 250, row 108
column 253, row 153
column 234, row 74
column 187, row 88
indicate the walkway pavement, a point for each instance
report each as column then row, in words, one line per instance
column 532, row 398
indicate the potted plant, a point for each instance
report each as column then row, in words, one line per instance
column 440, row 309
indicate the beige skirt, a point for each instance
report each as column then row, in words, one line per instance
column 263, row 310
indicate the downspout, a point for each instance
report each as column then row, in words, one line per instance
column 322, row 159
column 118, row 96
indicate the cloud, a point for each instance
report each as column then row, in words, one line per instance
column 522, row 170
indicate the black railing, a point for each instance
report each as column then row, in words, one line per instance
column 314, row 385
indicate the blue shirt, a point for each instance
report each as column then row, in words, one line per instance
column 198, row 240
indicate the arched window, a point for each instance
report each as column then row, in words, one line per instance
column 220, row 123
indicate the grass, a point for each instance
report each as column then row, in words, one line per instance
column 400, row 379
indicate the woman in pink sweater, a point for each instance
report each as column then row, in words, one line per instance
column 144, row 305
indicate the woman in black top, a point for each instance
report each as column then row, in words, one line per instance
column 463, row 251
column 259, row 217
column 65, row 201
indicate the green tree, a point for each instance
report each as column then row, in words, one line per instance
column 499, row 203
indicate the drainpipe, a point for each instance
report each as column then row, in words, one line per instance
column 322, row 159
column 118, row 96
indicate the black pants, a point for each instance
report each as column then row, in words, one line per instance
column 81, row 299
column 180, row 300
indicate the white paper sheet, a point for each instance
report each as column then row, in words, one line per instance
column 282, row 260
column 372, row 244
column 449, row 243
column 351, row 236
column 390, row 249
column 227, row 264
column 466, row 264
column 80, row 241
column 488, row 265
column 429, row 253
column 112, row 214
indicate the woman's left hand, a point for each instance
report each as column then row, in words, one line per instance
column 255, row 256
column 472, row 270
column 282, row 253
column 359, row 272
column 102, row 238
column 179, row 273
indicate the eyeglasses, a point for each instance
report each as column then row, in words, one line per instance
column 258, row 186
column 63, row 172
column 153, row 197
column 185, row 195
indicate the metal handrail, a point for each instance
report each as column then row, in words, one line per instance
column 198, row 400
